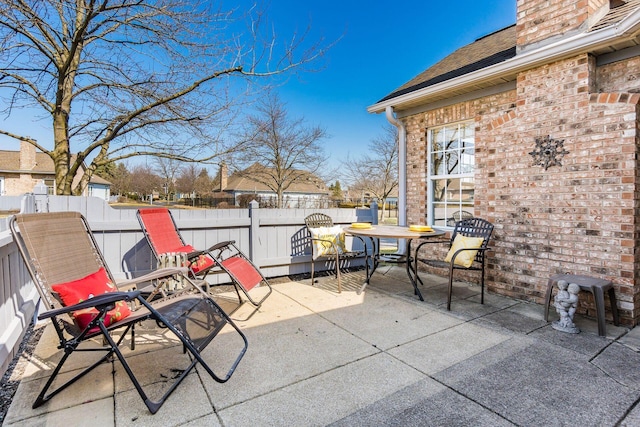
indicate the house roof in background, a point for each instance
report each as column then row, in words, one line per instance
column 249, row 180
column 10, row 163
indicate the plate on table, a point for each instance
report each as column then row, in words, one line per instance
column 361, row 225
column 420, row 228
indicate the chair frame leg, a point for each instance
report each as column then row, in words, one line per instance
column 482, row 284
column 450, row 292
column 71, row 346
column 338, row 273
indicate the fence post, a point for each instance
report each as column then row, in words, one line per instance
column 41, row 193
column 253, row 229
column 374, row 212
column 28, row 203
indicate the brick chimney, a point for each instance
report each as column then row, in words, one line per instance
column 27, row 156
column 543, row 21
column 224, row 175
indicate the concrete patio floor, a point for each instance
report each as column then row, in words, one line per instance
column 382, row 358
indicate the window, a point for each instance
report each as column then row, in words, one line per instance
column 50, row 183
column 450, row 185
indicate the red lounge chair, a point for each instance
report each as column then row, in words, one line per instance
column 163, row 236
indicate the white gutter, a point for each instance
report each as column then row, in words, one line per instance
column 402, row 166
column 584, row 42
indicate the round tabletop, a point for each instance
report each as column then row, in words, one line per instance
column 392, row 231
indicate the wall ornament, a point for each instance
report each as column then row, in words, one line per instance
column 548, row 152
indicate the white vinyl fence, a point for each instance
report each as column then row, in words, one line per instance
column 275, row 239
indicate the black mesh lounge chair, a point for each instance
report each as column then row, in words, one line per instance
column 467, row 249
column 79, row 296
column 327, row 242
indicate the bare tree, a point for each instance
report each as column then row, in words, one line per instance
column 168, row 169
column 186, row 179
column 144, row 181
column 376, row 172
column 283, row 150
column 120, row 179
column 123, row 78
column 194, row 180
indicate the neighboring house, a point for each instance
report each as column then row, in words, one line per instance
column 21, row 171
column 535, row 128
column 304, row 193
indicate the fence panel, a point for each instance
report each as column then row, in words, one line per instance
column 18, row 298
column 274, row 238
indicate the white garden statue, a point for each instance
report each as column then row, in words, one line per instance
column 566, row 302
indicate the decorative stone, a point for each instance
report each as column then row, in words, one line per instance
column 566, row 303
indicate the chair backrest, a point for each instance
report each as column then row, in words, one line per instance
column 474, row 227
column 318, row 220
column 460, row 215
column 160, row 229
column 59, row 247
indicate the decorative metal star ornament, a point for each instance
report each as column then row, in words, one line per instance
column 548, row 152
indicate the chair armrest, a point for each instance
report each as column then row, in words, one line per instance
column 331, row 242
column 455, row 254
column 364, row 244
column 430, row 241
column 98, row 301
column 221, row 245
column 216, row 247
column 157, row 274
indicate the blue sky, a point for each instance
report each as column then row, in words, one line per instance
column 383, row 45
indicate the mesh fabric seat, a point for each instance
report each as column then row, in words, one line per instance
column 65, row 262
column 469, row 228
column 162, row 233
column 335, row 255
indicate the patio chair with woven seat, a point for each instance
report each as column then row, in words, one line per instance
column 164, row 238
column 79, row 296
column 467, row 248
column 328, row 242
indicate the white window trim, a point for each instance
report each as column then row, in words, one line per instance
column 431, row 178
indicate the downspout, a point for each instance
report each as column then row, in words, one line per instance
column 402, row 165
column 402, row 174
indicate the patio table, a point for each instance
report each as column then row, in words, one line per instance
column 377, row 232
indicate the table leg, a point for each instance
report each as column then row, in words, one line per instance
column 375, row 252
column 413, row 274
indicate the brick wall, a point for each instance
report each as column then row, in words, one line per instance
column 621, row 76
column 579, row 217
column 16, row 184
column 539, row 20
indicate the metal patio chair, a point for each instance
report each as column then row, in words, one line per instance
column 467, row 247
column 332, row 243
column 79, row 296
column 164, row 238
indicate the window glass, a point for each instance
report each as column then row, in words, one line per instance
column 450, row 173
